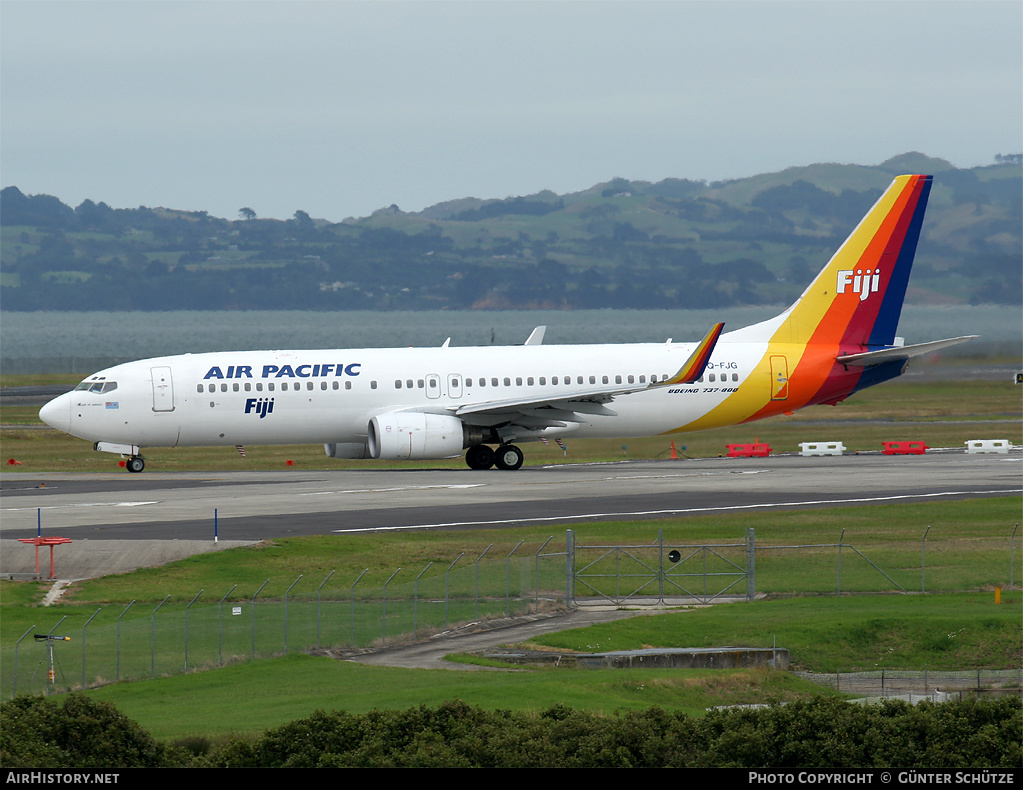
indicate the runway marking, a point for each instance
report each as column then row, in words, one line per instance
column 388, row 490
column 673, row 511
column 79, row 504
column 679, row 475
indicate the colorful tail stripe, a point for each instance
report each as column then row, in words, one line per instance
column 697, row 362
column 857, row 298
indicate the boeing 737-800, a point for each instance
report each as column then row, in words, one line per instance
column 425, row 403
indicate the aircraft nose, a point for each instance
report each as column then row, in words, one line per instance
column 57, row 413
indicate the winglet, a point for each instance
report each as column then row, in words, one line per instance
column 536, row 337
column 693, row 367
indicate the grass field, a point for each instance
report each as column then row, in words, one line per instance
column 961, row 629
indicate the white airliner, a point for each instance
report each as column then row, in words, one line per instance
column 425, row 403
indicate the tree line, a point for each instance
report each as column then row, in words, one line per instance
column 821, row 732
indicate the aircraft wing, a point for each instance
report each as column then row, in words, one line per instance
column 550, row 412
column 866, row 358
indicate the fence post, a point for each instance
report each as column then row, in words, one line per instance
column 318, row 604
column 384, row 618
column 569, row 566
column 187, row 608
column 507, row 580
column 447, row 587
column 1012, row 555
column 117, row 675
column 476, row 585
column 220, row 626
column 841, row 540
column 923, row 560
column 83, row 643
column 17, row 645
column 286, row 594
column 152, row 641
column 660, row 566
column 751, row 564
column 352, row 640
column 536, row 567
column 415, row 601
column 253, row 602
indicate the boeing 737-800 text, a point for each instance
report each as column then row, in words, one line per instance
column 422, row 403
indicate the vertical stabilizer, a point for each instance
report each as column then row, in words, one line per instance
column 857, row 298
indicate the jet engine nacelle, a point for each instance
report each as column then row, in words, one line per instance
column 345, row 450
column 411, row 436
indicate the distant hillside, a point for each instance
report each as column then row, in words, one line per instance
column 620, row 244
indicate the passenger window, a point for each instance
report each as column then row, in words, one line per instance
column 493, row 382
column 593, row 379
column 397, row 384
column 235, row 386
column 618, row 379
column 543, row 380
column 259, row 386
column 507, row 381
column 248, row 387
column 735, row 377
column 529, row 381
column 372, row 385
column 421, row 383
column 323, row 385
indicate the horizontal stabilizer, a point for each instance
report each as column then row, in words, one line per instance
column 866, row 358
column 692, row 369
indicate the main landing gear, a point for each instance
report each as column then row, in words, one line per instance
column 135, row 464
column 505, row 457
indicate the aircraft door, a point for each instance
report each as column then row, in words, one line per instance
column 433, row 386
column 163, row 389
column 454, row 385
column 779, row 378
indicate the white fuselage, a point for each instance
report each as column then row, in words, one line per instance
column 330, row 396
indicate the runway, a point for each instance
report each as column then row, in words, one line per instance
column 254, row 506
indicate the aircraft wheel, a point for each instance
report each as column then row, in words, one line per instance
column 479, row 456
column 508, row 457
column 135, row 464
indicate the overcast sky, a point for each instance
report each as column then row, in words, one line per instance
column 341, row 108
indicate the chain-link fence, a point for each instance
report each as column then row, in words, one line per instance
column 87, row 646
column 84, row 646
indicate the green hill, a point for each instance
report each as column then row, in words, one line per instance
column 619, row 244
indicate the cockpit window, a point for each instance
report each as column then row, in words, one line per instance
column 97, row 386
